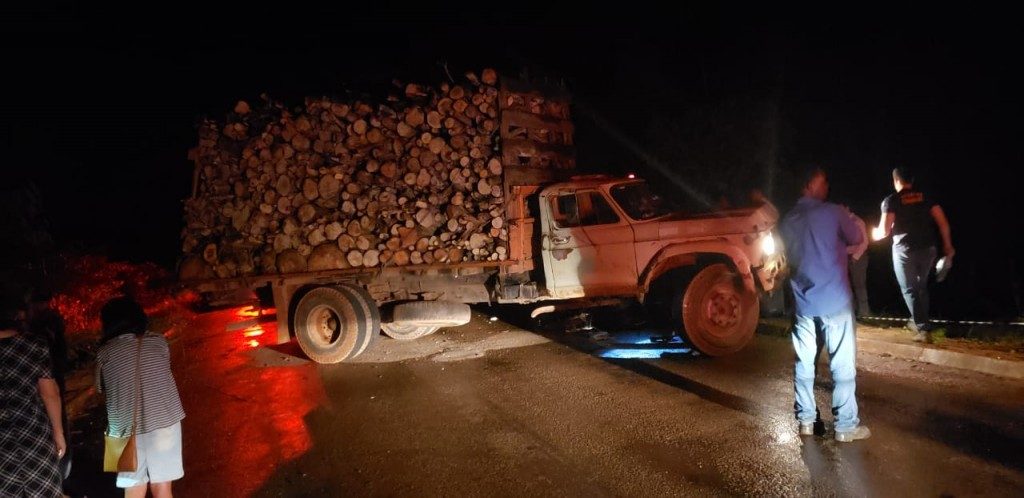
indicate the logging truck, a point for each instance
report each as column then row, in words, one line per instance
column 463, row 194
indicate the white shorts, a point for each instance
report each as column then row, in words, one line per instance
column 159, row 454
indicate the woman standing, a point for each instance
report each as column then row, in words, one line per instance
column 125, row 344
column 31, row 433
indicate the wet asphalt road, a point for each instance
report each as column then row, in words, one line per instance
column 444, row 417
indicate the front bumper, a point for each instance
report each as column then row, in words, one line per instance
column 771, row 273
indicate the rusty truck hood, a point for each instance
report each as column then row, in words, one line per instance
column 727, row 222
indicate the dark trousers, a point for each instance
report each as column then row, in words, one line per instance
column 859, row 282
column 912, row 267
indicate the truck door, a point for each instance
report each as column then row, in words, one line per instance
column 587, row 245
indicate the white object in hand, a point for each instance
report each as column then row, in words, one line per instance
column 942, row 267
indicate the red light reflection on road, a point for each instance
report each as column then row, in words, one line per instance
column 248, row 311
column 253, row 408
column 253, row 331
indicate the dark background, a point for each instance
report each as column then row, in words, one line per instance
column 100, row 107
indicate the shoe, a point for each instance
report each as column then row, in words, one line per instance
column 922, row 336
column 806, row 428
column 859, row 432
column 912, row 326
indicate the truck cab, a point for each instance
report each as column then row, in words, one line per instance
column 602, row 236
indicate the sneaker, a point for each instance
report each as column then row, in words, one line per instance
column 922, row 336
column 912, row 326
column 806, row 428
column 859, row 432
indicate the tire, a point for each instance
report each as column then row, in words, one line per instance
column 432, row 313
column 371, row 315
column 407, row 332
column 719, row 314
column 329, row 326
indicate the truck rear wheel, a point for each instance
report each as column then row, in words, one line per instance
column 371, row 314
column 329, row 325
column 719, row 314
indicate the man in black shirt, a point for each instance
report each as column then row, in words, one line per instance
column 909, row 215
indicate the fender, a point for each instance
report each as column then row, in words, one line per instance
column 675, row 255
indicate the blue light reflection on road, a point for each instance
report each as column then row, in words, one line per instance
column 638, row 345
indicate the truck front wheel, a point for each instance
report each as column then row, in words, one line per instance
column 719, row 314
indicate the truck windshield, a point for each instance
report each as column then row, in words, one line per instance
column 639, row 202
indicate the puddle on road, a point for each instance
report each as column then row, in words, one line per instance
column 641, row 344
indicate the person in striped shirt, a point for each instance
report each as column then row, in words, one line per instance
column 158, row 435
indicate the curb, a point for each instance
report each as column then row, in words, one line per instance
column 1010, row 369
column 983, row 364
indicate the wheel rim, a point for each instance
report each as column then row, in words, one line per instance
column 722, row 312
column 326, row 326
column 722, row 308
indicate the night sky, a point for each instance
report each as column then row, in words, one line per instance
column 100, row 109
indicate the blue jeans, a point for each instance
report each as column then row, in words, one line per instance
column 912, row 267
column 840, row 339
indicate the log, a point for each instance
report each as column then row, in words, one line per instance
column 489, row 77
column 290, row 226
column 434, row 119
column 346, row 242
column 290, row 261
column 317, row 237
column 333, row 230
column 436, row 145
column 306, row 213
column 327, row 257
column 414, row 117
column 354, row 229
column 355, row 258
column 484, row 187
column 494, row 166
column 405, row 131
column 284, row 185
column 423, row 179
column 477, row 241
column 210, row 253
column 309, row 189
column 371, row 258
column 282, row 242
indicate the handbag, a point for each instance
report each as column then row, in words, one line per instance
column 119, row 453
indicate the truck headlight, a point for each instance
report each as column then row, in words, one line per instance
column 768, row 244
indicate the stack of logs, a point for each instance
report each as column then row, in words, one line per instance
column 339, row 185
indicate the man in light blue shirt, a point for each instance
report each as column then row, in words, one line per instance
column 817, row 234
